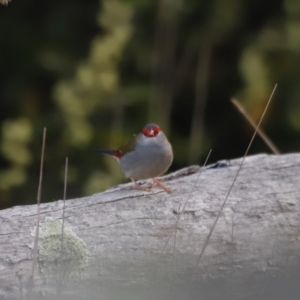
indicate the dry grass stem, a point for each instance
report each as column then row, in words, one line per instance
column 180, row 212
column 36, row 237
column 260, row 132
column 237, row 173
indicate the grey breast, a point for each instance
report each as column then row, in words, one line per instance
column 151, row 158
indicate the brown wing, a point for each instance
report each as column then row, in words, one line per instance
column 129, row 146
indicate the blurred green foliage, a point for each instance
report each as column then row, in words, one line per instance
column 94, row 73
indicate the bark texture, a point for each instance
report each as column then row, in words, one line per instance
column 119, row 235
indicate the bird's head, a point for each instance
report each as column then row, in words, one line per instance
column 151, row 130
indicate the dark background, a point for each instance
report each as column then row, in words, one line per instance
column 95, row 72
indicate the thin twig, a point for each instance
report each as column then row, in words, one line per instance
column 35, row 245
column 260, row 132
column 179, row 213
column 237, row 173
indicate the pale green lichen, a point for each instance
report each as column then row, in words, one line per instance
column 61, row 265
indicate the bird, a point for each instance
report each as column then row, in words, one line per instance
column 147, row 155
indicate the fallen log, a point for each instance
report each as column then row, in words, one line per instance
column 124, row 241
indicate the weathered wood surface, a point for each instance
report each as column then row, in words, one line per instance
column 258, row 228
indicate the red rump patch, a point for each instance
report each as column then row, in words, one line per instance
column 117, row 154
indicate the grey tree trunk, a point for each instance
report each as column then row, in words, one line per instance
column 131, row 244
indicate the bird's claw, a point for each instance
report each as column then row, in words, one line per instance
column 147, row 188
column 158, row 183
column 139, row 187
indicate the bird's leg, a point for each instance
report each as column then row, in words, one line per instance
column 158, row 183
column 138, row 187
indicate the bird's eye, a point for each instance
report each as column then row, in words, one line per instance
column 145, row 132
column 156, row 130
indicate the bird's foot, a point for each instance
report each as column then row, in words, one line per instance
column 139, row 187
column 158, row 183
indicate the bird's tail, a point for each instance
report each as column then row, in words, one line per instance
column 114, row 153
